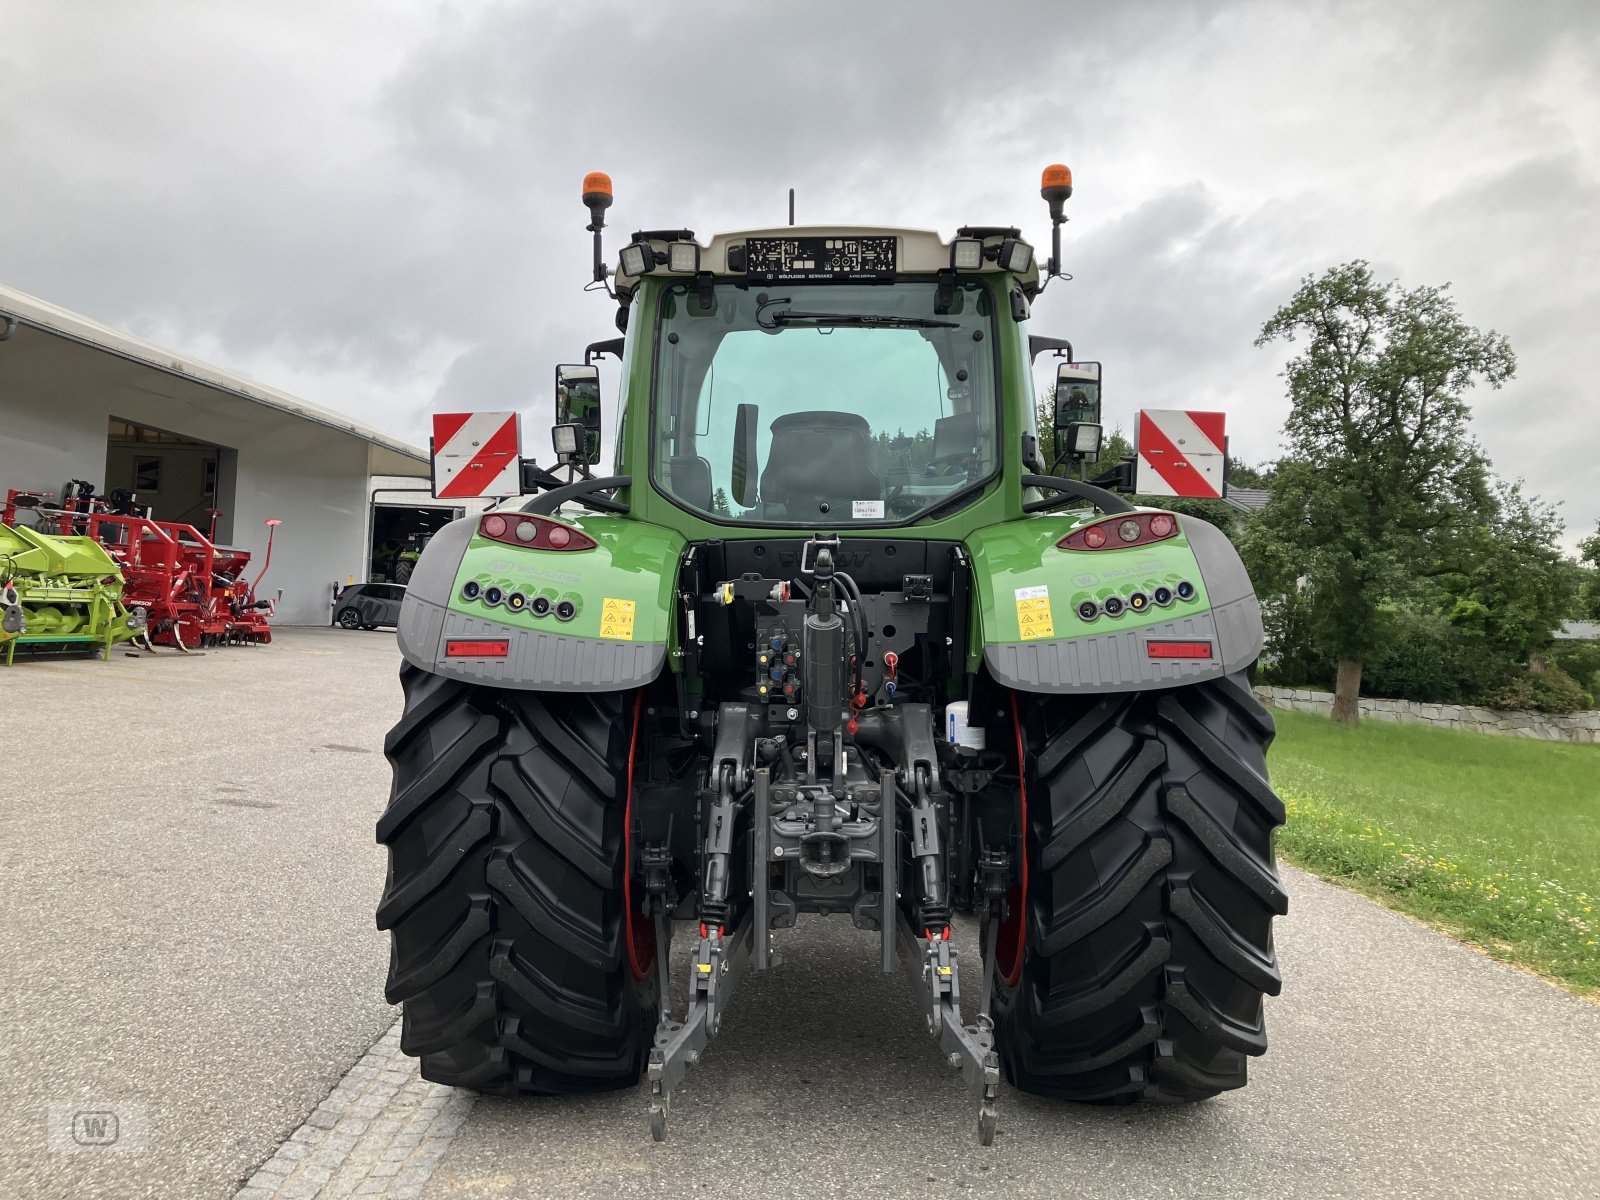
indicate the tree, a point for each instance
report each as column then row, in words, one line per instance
column 1507, row 581
column 1242, row 474
column 1382, row 480
column 1589, row 595
column 720, row 505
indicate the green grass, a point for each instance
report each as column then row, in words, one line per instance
column 1496, row 839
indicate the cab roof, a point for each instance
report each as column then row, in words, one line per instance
column 917, row 252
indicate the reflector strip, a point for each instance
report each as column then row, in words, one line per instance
column 1178, row 649
column 476, row 649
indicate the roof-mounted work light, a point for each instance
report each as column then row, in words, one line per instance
column 638, row 258
column 1016, row 256
column 683, row 258
column 966, row 254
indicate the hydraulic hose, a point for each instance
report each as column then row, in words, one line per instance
column 858, row 615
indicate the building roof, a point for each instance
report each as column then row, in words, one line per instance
column 1579, row 631
column 390, row 456
column 1247, row 499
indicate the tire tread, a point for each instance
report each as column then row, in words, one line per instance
column 504, row 896
column 1151, row 896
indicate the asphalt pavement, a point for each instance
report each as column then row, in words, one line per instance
column 1402, row 1064
column 188, row 878
column 187, row 882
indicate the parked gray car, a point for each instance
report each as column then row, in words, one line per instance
column 368, row 605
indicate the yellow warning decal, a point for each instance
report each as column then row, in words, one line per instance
column 616, row 619
column 1033, row 613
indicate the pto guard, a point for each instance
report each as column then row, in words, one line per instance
column 629, row 572
column 1021, row 575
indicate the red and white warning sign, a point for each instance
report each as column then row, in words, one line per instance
column 476, row 454
column 1181, row 453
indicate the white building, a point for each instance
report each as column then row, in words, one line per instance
column 82, row 401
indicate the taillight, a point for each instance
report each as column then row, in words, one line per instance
column 534, row 533
column 1120, row 532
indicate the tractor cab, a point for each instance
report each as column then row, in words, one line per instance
column 881, row 353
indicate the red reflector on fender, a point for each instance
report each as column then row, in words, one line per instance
column 1178, row 649
column 476, row 649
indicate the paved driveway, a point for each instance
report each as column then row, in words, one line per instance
column 187, row 879
column 187, row 901
column 1402, row 1064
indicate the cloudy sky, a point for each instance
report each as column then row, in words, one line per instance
column 374, row 203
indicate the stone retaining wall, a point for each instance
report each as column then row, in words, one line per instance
column 1545, row 727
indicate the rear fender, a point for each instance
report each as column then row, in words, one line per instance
column 1029, row 592
column 623, row 589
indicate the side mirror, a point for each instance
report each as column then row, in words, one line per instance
column 576, row 436
column 1077, row 410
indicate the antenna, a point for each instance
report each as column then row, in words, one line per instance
column 791, row 206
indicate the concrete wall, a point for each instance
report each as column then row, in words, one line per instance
column 57, row 397
column 1545, row 727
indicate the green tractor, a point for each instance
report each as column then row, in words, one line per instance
column 832, row 639
column 397, row 563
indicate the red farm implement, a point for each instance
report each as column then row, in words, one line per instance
column 193, row 593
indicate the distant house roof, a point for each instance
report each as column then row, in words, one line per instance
column 1247, row 499
column 389, row 455
column 1579, row 631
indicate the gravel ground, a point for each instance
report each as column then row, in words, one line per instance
column 188, row 927
column 187, row 877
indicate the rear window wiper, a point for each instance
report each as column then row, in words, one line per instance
column 789, row 316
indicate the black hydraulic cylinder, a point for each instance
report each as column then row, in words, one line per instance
column 822, row 662
column 822, row 665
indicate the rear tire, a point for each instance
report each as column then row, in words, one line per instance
column 505, row 897
column 1150, row 896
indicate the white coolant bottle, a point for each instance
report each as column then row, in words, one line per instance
column 958, row 731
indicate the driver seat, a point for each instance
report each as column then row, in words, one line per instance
column 818, row 458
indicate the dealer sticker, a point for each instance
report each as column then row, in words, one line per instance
column 1033, row 613
column 866, row 510
column 616, row 619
